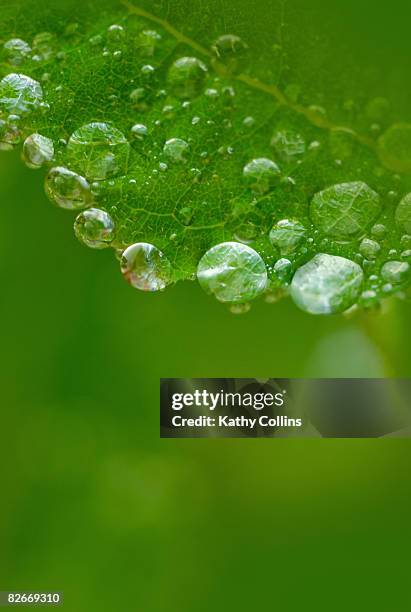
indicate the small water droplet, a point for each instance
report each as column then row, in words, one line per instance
column 232, row 272
column 287, row 235
column 231, row 54
column 176, row 150
column 148, row 41
column 139, row 131
column 369, row 248
column 115, row 33
column 37, row 150
column 98, row 151
column 145, row 267
column 95, row 228
column 67, row 189
column 43, row 46
column 283, row 269
column 239, row 309
column 261, row 175
column 186, row 77
column 288, row 144
column 185, row 215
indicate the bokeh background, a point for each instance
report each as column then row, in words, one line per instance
column 94, row 504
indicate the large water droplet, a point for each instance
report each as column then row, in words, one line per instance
column 16, row 51
column 176, row 150
column 98, row 151
column 145, row 267
column 19, row 94
column 327, row 284
column 394, row 147
column 261, row 174
column 403, row 213
column 95, row 228
column 186, row 77
column 232, row 272
column 345, row 210
column 37, row 150
column 231, row 52
column 67, row 189
column 287, row 235
column 395, row 271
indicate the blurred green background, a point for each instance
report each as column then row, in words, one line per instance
column 94, row 504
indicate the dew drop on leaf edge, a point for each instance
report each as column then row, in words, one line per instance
column 327, row 284
column 94, row 228
column 232, row 272
column 145, row 267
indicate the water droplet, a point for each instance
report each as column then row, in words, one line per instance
column 395, row 272
column 369, row 248
column 288, row 144
column 249, row 121
column 211, row 93
column 327, row 284
column 368, row 298
column 147, row 42
column 37, row 150
column 246, row 232
column 115, row 33
column 186, row 77
column 139, row 131
column 67, row 189
column 43, row 46
column 19, row 94
column 239, row 309
column 147, row 70
column 232, row 272
column 9, row 135
column 185, row 215
column 378, row 230
column 16, row 51
column 261, row 174
column 341, row 142
column 394, row 147
column 314, row 146
column 96, row 40
column 145, row 267
column 345, row 210
column 176, row 150
column 98, row 151
column 231, row 52
column 283, row 269
column 287, row 235
column 95, row 228
column 403, row 213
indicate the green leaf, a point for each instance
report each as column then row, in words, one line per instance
column 181, row 135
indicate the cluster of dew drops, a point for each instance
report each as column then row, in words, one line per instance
column 232, row 271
